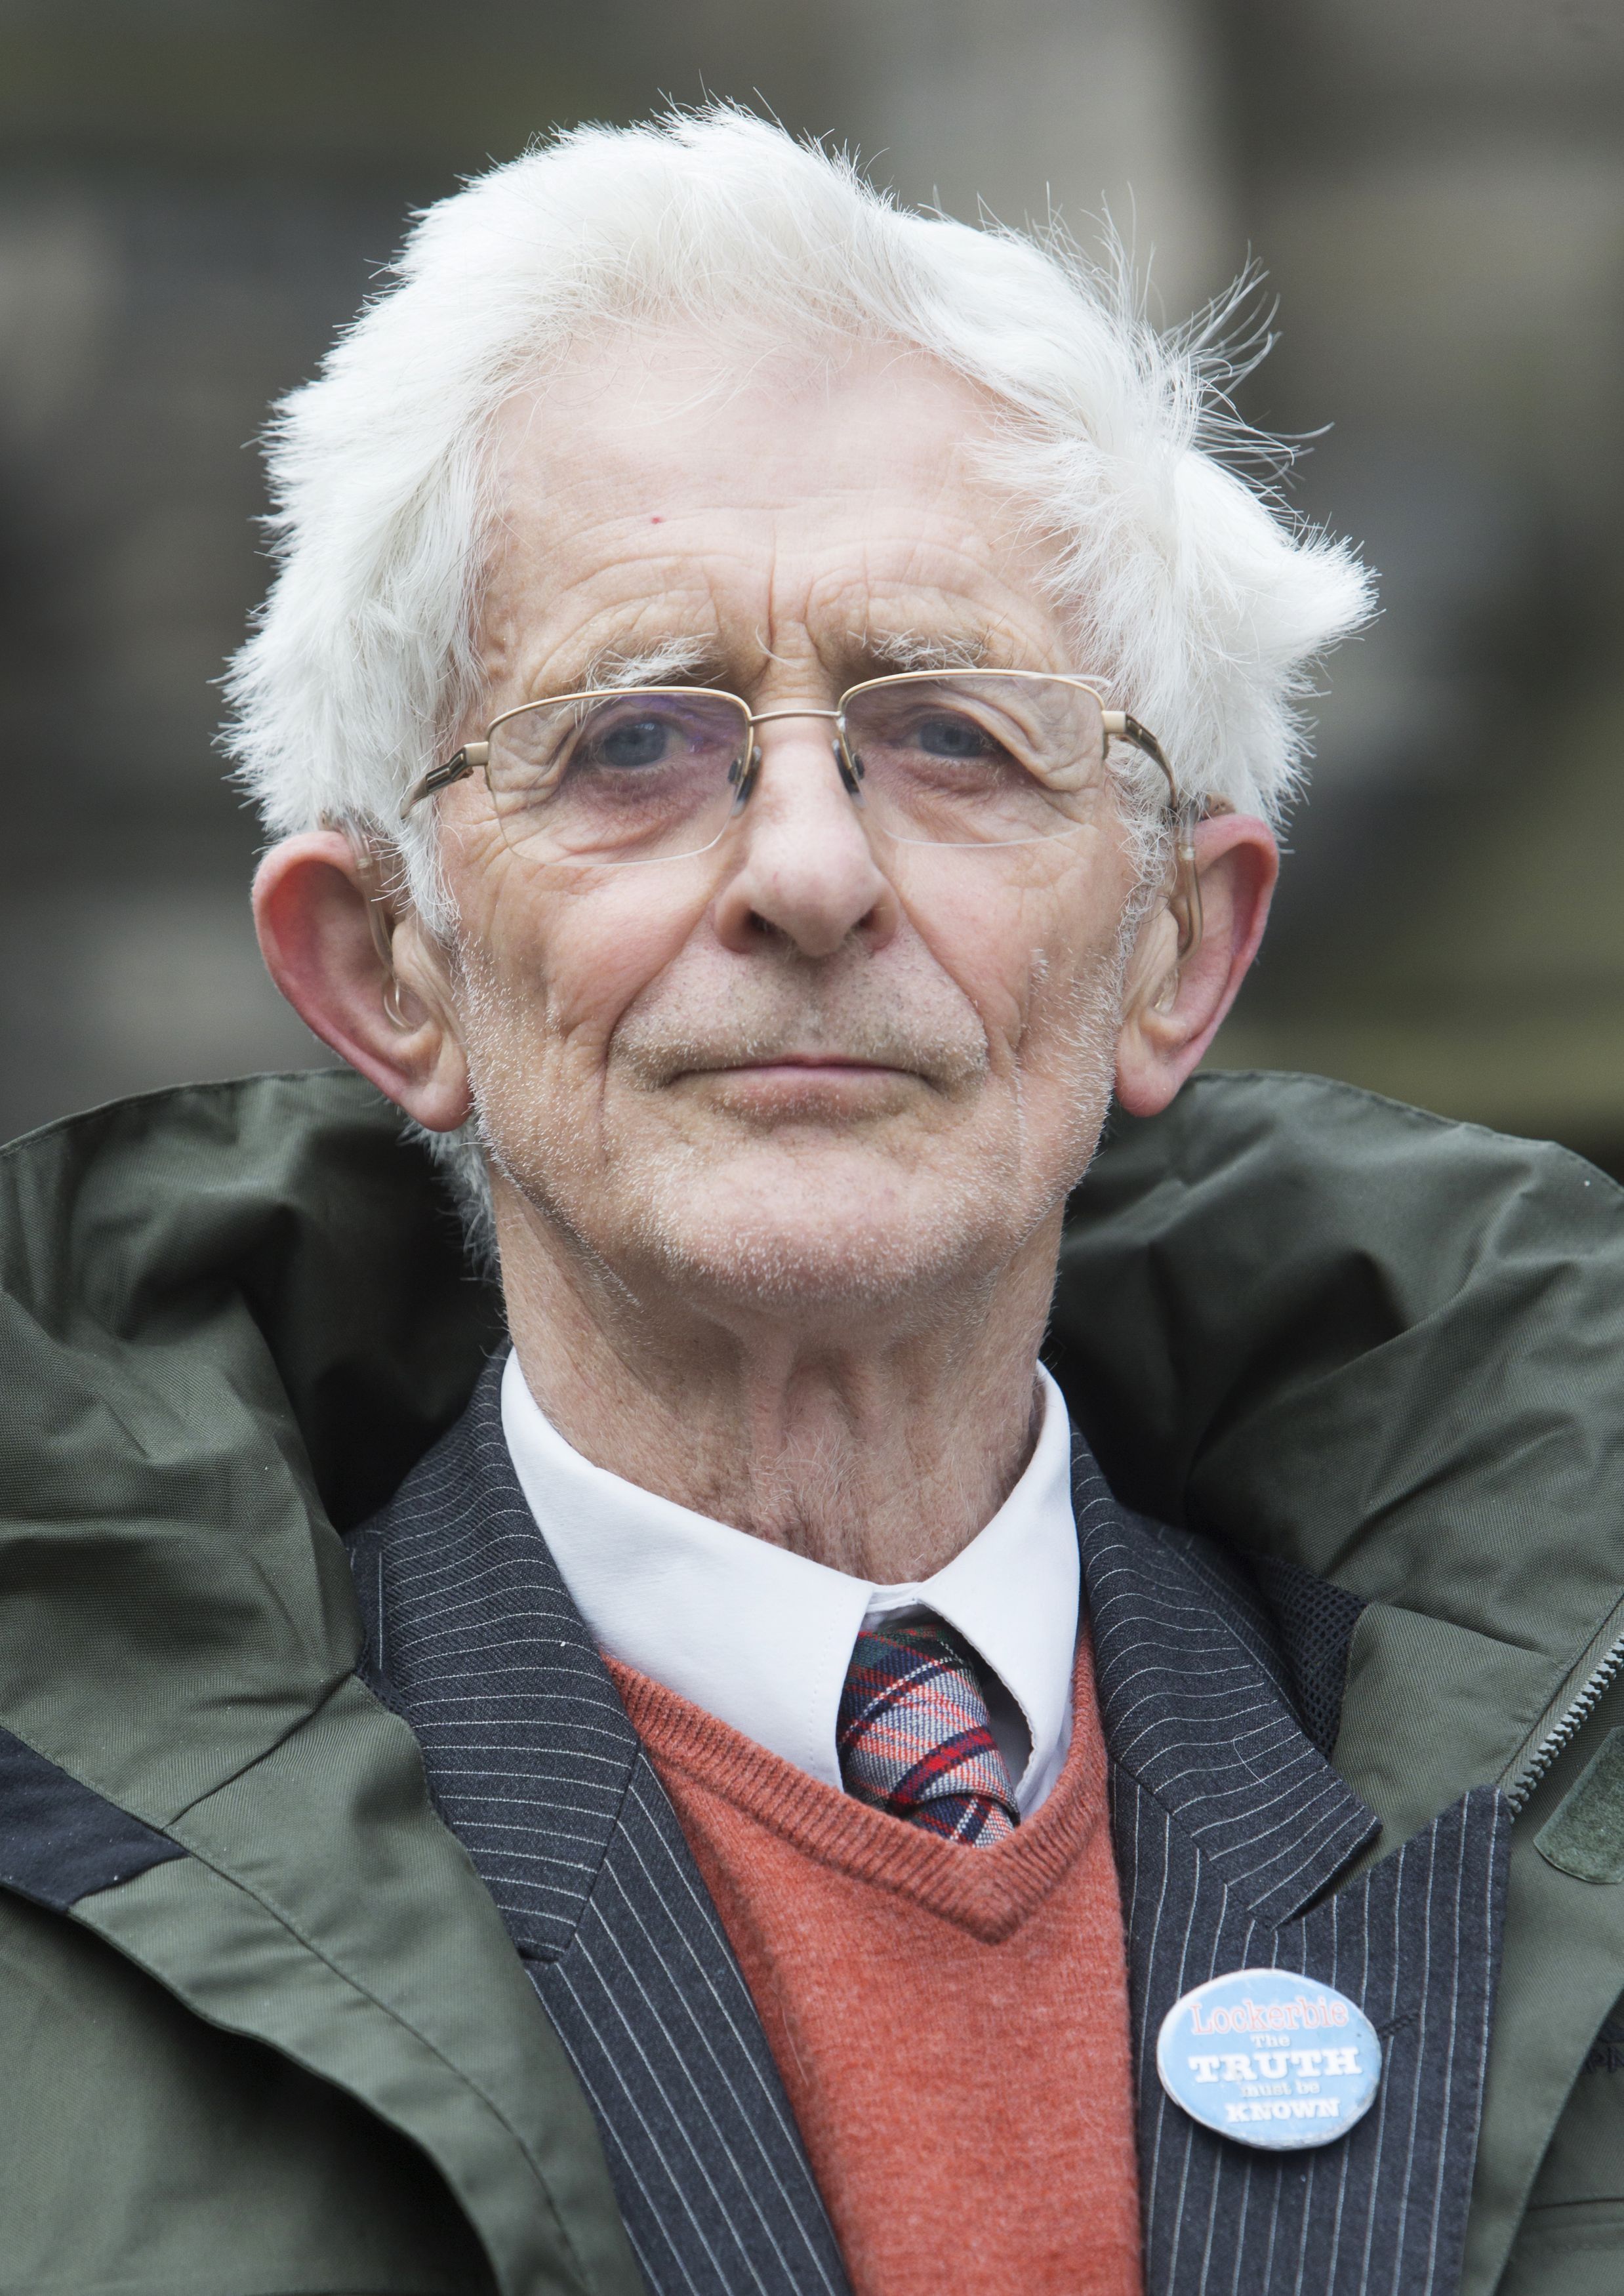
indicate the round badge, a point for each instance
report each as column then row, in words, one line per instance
column 1270, row 2058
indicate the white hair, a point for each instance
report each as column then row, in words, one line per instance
column 1193, row 592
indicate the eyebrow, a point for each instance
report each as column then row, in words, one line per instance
column 905, row 649
column 862, row 653
column 614, row 667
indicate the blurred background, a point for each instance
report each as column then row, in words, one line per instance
column 194, row 193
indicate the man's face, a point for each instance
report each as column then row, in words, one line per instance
column 801, row 1069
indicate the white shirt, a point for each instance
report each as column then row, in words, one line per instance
column 762, row 1638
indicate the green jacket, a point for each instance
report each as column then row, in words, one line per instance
column 305, row 2057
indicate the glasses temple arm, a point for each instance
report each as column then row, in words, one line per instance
column 471, row 758
column 1186, row 900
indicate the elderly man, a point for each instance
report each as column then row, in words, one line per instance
column 774, row 720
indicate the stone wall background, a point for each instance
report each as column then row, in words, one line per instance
column 193, row 193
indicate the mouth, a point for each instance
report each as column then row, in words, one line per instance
column 817, row 1062
column 857, row 1065
column 802, row 1064
column 822, row 1083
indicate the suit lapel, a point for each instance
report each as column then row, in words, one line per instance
column 1231, row 1831
column 534, row 1766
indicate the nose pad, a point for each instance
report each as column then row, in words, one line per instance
column 851, row 769
column 742, row 774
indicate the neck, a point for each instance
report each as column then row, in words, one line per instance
column 877, row 1445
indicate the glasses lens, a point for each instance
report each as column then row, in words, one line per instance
column 645, row 776
column 977, row 758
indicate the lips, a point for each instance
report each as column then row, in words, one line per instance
column 807, row 1061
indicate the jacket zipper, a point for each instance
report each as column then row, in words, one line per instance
column 1526, row 1769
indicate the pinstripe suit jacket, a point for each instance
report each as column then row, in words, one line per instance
column 1231, row 1831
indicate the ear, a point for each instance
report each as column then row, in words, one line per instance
column 1173, row 1009
column 343, row 954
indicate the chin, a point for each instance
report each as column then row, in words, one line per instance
column 829, row 1238
column 772, row 1269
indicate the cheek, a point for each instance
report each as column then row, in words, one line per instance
column 564, row 957
column 1019, row 949
column 1073, row 1016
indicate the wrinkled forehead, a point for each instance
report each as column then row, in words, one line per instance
column 661, row 488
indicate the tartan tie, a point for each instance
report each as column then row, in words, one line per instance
column 913, row 1736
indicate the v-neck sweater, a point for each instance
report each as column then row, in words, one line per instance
column 951, row 2023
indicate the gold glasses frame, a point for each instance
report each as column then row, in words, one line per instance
column 1117, row 725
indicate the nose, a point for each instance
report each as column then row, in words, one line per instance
column 805, row 873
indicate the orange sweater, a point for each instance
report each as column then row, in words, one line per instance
column 951, row 2023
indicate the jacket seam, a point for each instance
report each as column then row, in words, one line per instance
column 611, row 1833
column 271, row 1746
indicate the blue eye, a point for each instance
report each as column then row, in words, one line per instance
column 953, row 736
column 634, row 744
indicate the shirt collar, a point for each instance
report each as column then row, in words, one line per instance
column 762, row 1638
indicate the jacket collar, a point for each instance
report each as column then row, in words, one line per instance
column 1196, row 1706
